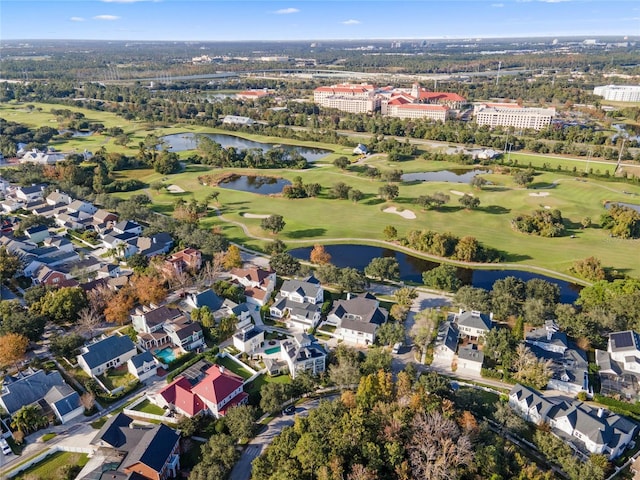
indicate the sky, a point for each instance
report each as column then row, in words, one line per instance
column 232, row 20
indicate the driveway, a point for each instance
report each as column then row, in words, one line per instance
column 242, row 469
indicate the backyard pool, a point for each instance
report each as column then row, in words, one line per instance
column 167, row 355
column 270, row 351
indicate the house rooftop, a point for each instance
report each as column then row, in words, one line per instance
column 106, row 349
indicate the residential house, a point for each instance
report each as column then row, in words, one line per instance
column 473, row 324
column 103, row 220
column 220, row 307
column 109, row 352
column 470, row 360
column 258, row 284
column 29, row 194
column 48, row 390
column 43, row 158
column 128, row 226
column 303, row 354
column 248, row 339
column 109, row 270
column 80, row 206
column 216, row 392
column 57, row 197
column 73, row 220
column 158, row 326
column 357, row 319
column 591, row 429
column 45, row 275
column 620, row 364
column 155, row 245
column 150, row 452
column 299, row 303
column 142, row 366
column 445, row 345
column 37, row 233
column 187, row 260
column 569, row 365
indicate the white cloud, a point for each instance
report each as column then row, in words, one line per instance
column 106, row 17
column 286, row 11
column 351, row 22
column 77, row 19
column 497, row 5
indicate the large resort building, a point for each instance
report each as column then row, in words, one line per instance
column 414, row 103
column 618, row 93
column 513, row 115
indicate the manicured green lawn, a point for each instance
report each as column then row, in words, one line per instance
column 233, row 367
column 51, row 467
column 47, row 436
column 116, row 377
column 257, row 384
column 147, row 407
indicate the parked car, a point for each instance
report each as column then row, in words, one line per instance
column 396, row 347
column 290, row 410
column 6, row 449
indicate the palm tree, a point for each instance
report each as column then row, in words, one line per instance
column 29, row 418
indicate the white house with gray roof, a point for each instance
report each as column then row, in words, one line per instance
column 142, row 366
column 620, row 364
column 299, row 303
column 474, row 324
column 470, row 360
column 48, row 390
column 594, row 430
column 109, row 352
column 248, row 339
column 303, row 354
column 357, row 318
column 445, row 345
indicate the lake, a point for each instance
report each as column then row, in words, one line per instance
column 411, row 268
column 255, row 184
column 179, row 142
column 453, row 176
column 632, row 206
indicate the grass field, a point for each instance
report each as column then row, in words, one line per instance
column 328, row 220
column 147, row 407
column 51, row 468
column 233, row 367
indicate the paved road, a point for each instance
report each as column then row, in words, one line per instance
column 242, row 469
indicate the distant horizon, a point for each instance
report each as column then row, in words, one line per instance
column 312, row 20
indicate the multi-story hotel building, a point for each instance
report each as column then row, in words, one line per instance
column 513, row 115
column 348, row 98
column 619, row 93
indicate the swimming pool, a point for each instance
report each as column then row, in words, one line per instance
column 270, row 351
column 167, row 355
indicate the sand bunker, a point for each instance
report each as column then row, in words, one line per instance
column 459, row 193
column 174, row 189
column 408, row 214
column 539, row 194
column 255, row 215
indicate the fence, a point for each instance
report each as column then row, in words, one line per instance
column 38, row 458
column 130, row 410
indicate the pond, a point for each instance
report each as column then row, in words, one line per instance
column 632, row 206
column 453, row 176
column 255, row 184
column 411, row 268
column 179, row 142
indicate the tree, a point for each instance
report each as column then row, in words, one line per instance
column 319, row 255
column 148, row 289
column 88, row 320
column 469, row 201
column 12, row 348
column 340, row 190
column 399, row 312
column 383, row 268
column 529, row 369
column 443, row 277
column 389, row 191
column 273, row 223
column 66, row 345
column 29, row 418
column 424, row 328
column 590, row 269
column 507, row 296
column 390, row 333
column 390, row 233
column 355, row 195
column 500, row 345
column 232, row 258
column 467, row 249
column 437, row 449
column 62, row 305
column 284, row 264
column 405, row 296
column 272, row 396
column 341, row 162
column 523, row 177
column 277, row 246
column 88, row 401
column 167, row 162
column 219, row 455
column 345, row 372
column 118, row 309
column 472, row 298
column 377, row 358
column 585, row 222
column 9, row 264
column 240, row 421
column 478, row 182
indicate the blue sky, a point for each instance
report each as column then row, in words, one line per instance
column 313, row 20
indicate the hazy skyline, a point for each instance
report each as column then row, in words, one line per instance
column 215, row 20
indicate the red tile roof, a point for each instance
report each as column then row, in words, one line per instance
column 187, row 401
column 217, row 385
column 253, row 274
column 237, row 400
column 169, row 392
column 441, row 96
